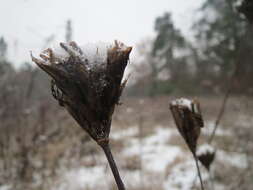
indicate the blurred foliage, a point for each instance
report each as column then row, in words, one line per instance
column 5, row 66
column 223, row 38
column 3, row 48
column 219, row 33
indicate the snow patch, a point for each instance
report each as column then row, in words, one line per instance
column 81, row 178
column 155, row 152
column 60, row 53
column 182, row 102
column 238, row 160
column 205, row 148
column 94, row 55
column 5, row 187
column 209, row 127
column 130, row 132
column 182, row 176
column 158, row 158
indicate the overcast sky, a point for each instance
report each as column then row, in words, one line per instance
column 25, row 24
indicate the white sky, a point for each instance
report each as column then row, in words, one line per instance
column 25, row 24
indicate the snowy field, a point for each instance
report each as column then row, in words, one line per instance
column 149, row 152
column 161, row 165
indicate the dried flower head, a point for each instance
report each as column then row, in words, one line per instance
column 188, row 119
column 206, row 155
column 87, row 82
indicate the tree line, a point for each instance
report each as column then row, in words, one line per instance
column 171, row 63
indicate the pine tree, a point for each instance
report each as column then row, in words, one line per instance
column 219, row 33
column 3, row 48
column 224, row 40
column 168, row 41
column 5, row 66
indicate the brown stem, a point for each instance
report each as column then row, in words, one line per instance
column 109, row 156
column 199, row 173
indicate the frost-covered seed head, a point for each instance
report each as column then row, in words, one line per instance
column 87, row 81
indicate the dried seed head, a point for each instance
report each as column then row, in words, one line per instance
column 87, row 84
column 206, row 155
column 188, row 119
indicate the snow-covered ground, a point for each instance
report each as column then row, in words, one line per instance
column 167, row 166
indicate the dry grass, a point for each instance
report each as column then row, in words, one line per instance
column 71, row 142
column 131, row 163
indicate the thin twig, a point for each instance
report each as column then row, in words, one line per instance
column 113, row 166
column 221, row 112
column 226, row 97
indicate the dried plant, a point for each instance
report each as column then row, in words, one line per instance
column 206, row 155
column 89, row 86
column 188, row 118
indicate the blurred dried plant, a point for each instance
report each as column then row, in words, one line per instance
column 206, row 155
column 89, row 87
column 188, row 118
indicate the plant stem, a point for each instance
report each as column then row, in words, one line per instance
column 221, row 112
column 199, row 173
column 229, row 91
column 211, row 179
column 107, row 150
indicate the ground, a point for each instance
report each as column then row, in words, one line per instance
column 149, row 151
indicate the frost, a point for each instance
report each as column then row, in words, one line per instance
column 182, row 102
column 92, row 55
column 60, row 53
column 96, row 53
